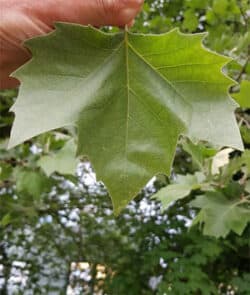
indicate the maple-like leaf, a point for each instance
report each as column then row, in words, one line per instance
column 180, row 189
column 219, row 215
column 63, row 161
column 130, row 97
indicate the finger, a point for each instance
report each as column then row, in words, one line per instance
column 131, row 23
column 120, row 12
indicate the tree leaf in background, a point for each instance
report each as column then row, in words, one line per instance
column 243, row 97
column 172, row 193
column 5, row 171
column 199, row 152
column 245, row 133
column 179, row 190
column 191, row 21
column 63, row 161
column 32, row 183
column 220, row 215
column 246, row 159
column 242, row 283
column 130, row 96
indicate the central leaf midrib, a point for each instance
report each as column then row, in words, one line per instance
column 127, row 90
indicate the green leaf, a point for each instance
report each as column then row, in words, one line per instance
column 220, row 7
column 242, row 283
column 5, row 220
column 243, row 97
column 130, row 96
column 246, row 159
column 32, row 183
column 5, row 171
column 245, row 133
column 220, row 215
column 63, row 161
column 181, row 189
column 172, row 193
column 191, row 21
column 198, row 152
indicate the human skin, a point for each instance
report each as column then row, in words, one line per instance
column 24, row 19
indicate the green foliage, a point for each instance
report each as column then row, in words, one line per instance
column 243, row 97
column 242, row 284
column 220, row 199
column 63, row 161
column 181, row 188
column 49, row 218
column 144, row 251
column 141, row 91
column 6, row 118
column 32, row 183
column 220, row 215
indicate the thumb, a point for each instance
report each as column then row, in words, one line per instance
column 120, row 12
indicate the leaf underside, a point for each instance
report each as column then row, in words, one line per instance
column 130, row 97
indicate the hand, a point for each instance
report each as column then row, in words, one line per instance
column 24, row 19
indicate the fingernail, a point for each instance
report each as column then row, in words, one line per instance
column 132, row 3
column 128, row 13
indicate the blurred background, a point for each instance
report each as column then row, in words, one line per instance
column 58, row 234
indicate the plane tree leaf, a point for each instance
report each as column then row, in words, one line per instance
column 180, row 189
column 62, row 161
column 130, row 97
column 219, row 215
